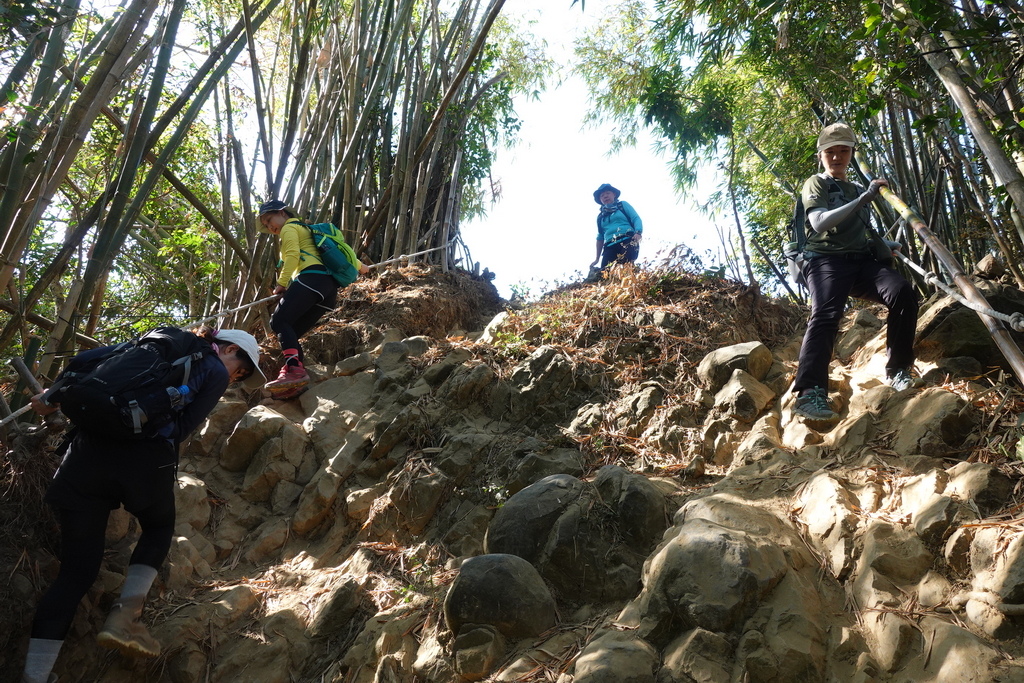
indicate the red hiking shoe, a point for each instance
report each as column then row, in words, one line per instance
column 291, row 381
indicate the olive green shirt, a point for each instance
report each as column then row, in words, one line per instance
column 850, row 236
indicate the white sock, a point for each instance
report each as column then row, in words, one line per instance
column 42, row 654
column 137, row 581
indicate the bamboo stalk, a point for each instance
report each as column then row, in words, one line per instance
column 999, row 333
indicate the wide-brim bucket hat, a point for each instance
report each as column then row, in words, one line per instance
column 606, row 186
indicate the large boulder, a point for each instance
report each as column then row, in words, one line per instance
column 502, row 590
column 705, row 575
column 537, row 465
column 743, row 397
column 616, row 657
column 335, row 405
column 210, row 436
column 980, row 484
column 640, row 506
column 256, row 427
column 522, row 524
column 697, row 655
column 948, row 329
column 932, row 422
column 717, row 367
column 829, row 513
column 588, row 540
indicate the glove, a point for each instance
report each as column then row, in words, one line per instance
column 893, row 245
column 873, row 190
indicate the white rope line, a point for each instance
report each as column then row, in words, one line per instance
column 1014, row 320
column 230, row 311
column 407, row 256
column 215, row 316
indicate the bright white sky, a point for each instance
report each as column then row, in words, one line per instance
column 542, row 231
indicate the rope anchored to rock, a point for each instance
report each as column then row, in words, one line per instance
column 1014, row 320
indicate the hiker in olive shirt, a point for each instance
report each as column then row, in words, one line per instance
column 846, row 258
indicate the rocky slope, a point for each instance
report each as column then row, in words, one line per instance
column 605, row 486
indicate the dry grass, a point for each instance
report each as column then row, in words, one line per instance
column 416, row 299
column 639, row 326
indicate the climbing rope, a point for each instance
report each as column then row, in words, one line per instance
column 408, row 256
column 1014, row 320
column 213, row 317
column 222, row 314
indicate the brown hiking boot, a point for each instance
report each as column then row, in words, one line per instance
column 124, row 632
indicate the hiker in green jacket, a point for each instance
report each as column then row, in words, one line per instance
column 845, row 258
column 619, row 229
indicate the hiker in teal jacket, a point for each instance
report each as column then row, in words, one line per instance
column 619, row 228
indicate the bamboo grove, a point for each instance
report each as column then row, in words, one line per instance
column 139, row 137
column 932, row 86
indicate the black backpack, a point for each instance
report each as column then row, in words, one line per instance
column 135, row 389
column 793, row 252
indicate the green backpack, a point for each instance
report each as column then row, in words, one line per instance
column 339, row 258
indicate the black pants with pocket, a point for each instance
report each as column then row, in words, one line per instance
column 831, row 281
column 309, row 297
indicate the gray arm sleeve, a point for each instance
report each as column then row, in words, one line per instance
column 822, row 219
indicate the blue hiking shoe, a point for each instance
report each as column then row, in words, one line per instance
column 813, row 405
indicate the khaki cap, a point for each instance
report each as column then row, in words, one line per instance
column 836, row 134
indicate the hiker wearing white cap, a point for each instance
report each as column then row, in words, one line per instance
column 846, row 257
column 619, row 229
column 99, row 473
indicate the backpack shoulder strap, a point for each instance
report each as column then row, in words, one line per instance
column 629, row 219
column 797, row 224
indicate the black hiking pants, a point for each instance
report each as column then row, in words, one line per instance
column 307, row 299
column 831, row 281
column 95, row 477
column 625, row 251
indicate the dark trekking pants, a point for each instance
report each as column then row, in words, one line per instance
column 96, row 476
column 307, row 299
column 625, row 251
column 831, row 281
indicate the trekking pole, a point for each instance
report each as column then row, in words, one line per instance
column 272, row 297
column 55, row 422
column 996, row 329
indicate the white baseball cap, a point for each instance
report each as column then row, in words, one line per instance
column 247, row 343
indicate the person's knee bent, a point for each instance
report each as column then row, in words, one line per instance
column 153, row 546
column 278, row 324
column 906, row 298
